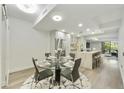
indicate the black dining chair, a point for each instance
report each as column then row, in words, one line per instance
column 72, row 55
column 63, row 53
column 40, row 75
column 47, row 54
column 73, row 75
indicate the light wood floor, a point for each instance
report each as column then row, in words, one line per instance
column 16, row 79
column 107, row 76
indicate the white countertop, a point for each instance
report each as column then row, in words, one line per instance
column 91, row 52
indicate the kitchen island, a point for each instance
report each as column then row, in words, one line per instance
column 90, row 59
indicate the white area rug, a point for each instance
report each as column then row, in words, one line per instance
column 45, row 84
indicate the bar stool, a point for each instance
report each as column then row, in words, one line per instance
column 94, row 62
column 99, row 60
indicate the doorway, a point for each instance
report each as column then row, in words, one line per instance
column 110, row 48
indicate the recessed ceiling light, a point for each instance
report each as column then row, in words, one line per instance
column 80, row 25
column 63, row 30
column 94, row 38
column 27, row 8
column 68, row 36
column 78, row 35
column 57, row 18
column 92, row 32
column 72, row 33
column 88, row 29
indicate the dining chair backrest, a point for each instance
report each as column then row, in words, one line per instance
column 35, row 66
column 63, row 53
column 75, row 72
column 72, row 55
column 47, row 54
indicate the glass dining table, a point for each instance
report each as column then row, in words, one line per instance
column 56, row 65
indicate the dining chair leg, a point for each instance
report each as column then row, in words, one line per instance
column 81, row 82
column 76, row 86
column 32, row 82
column 36, row 84
column 50, row 82
column 48, row 79
column 29, row 82
column 40, row 85
column 73, row 85
column 63, row 82
column 59, row 87
column 66, row 85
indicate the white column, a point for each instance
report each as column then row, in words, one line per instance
column 67, row 43
column 52, row 41
column 4, row 46
column 0, row 42
column 7, row 52
column 83, row 42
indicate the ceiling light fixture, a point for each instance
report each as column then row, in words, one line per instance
column 87, row 29
column 63, row 30
column 92, row 32
column 94, row 38
column 57, row 18
column 27, row 8
column 72, row 33
column 68, row 36
column 78, row 35
column 80, row 25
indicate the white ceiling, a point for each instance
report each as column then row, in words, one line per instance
column 107, row 18
column 13, row 11
column 104, row 17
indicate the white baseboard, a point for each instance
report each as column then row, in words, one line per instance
column 3, row 83
column 19, row 69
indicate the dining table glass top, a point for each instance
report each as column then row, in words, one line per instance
column 52, row 61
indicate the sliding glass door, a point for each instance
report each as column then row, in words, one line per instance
column 110, row 47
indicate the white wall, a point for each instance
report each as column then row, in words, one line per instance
column 96, row 45
column 26, row 42
column 121, row 48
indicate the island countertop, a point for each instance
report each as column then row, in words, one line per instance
column 92, row 52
